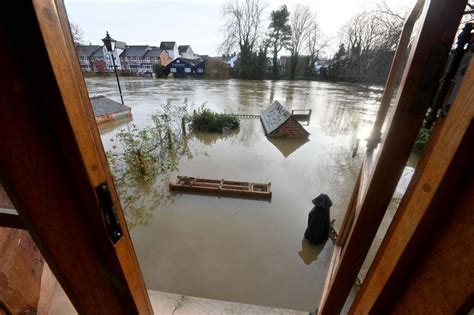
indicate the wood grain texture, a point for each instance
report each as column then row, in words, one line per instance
column 439, row 25
column 440, row 276
column 21, row 267
column 443, row 173
column 52, row 160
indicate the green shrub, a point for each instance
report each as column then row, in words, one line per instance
column 206, row 120
column 160, row 71
column 422, row 139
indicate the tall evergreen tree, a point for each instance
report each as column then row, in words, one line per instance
column 279, row 35
column 341, row 53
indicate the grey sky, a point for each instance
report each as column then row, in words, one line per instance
column 193, row 22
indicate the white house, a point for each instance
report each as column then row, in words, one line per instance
column 231, row 60
column 171, row 48
column 119, row 48
column 186, row 51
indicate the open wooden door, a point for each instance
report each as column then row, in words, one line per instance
column 54, row 168
column 382, row 167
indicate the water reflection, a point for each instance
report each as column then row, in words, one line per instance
column 272, row 92
column 112, row 125
column 289, row 95
column 233, row 240
column 210, row 138
column 287, row 146
column 309, row 252
column 141, row 200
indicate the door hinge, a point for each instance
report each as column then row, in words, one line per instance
column 109, row 213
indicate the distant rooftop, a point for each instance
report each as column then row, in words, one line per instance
column 167, row 45
column 153, row 52
column 86, row 50
column 99, row 53
column 135, row 51
column 183, row 48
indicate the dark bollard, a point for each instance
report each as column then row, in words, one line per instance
column 183, row 125
column 319, row 223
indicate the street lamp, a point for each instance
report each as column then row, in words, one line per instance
column 109, row 44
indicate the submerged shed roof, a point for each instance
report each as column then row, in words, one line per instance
column 102, row 106
column 274, row 116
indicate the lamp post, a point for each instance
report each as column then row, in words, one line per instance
column 109, row 43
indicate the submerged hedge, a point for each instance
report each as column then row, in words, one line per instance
column 206, row 120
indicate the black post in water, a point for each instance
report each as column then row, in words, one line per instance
column 109, row 44
column 116, row 76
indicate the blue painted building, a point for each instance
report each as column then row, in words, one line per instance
column 183, row 67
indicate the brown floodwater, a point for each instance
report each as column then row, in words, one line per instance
column 242, row 250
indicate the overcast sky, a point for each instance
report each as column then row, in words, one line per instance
column 193, row 22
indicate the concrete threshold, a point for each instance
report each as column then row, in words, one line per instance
column 175, row 304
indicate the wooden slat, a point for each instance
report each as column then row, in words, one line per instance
column 424, row 68
column 395, row 70
column 52, row 160
column 438, row 179
column 443, row 281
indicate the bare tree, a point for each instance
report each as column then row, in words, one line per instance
column 391, row 22
column 77, row 34
column 371, row 37
column 315, row 44
column 300, row 21
column 242, row 30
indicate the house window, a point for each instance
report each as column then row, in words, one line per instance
column 200, row 70
column 187, row 70
column 173, row 70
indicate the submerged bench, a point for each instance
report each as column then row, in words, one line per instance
column 222, row 187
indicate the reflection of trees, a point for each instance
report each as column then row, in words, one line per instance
column 210, row 138
column 252, row 94
column 140, row 197
column 334, row 173
column 272, row 92
column 250, row 132
column 340, row 121
column 290, row 89
column 246, row 135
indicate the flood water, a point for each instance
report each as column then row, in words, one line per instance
column 241, row 250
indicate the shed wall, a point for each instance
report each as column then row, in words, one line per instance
column 290, row 129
